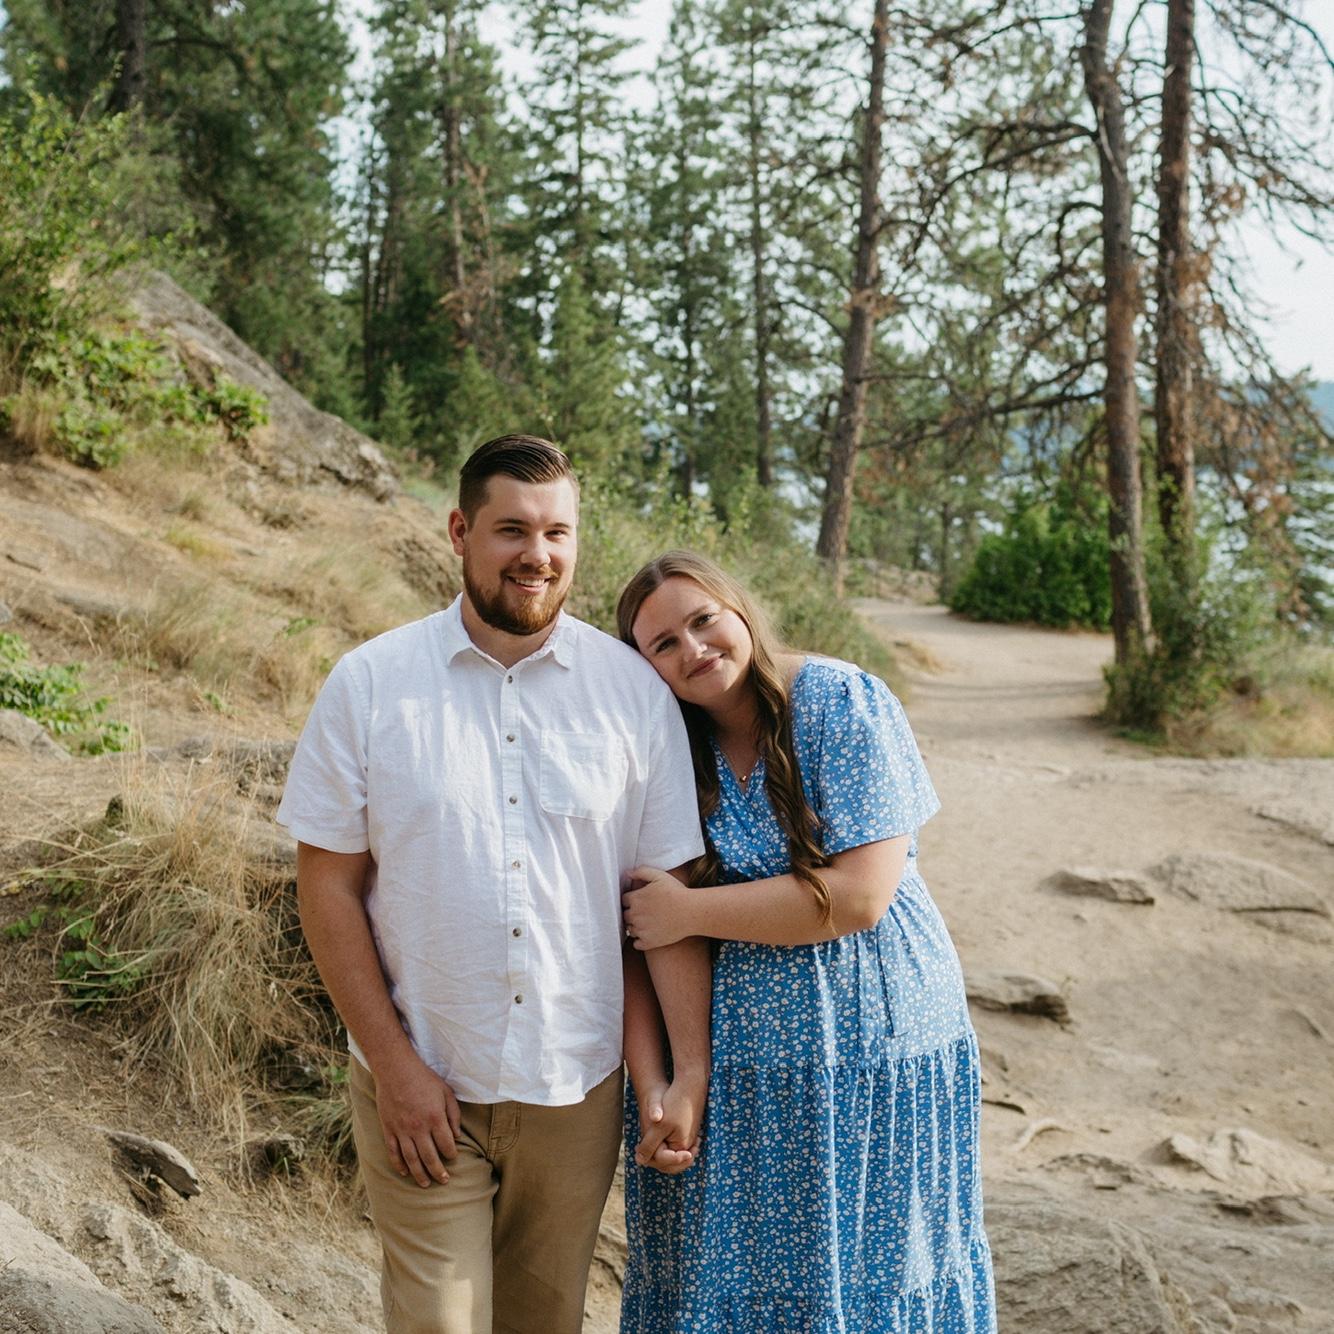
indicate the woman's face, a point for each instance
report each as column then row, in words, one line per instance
column 699, row 646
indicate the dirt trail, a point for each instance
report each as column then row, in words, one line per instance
column 1189, row 1017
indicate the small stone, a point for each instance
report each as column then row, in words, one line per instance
column 1019, row 993
column 5, row 614
column 1116, row 886
column 152, row 1158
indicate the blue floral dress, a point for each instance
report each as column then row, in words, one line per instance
column 838, row 1189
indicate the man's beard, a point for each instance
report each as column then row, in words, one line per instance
column 528, row 616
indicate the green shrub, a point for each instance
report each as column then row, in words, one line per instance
column 1049, row 566
column 55, row 697
column 57, row 191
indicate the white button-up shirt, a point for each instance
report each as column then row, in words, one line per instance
column 502, row 808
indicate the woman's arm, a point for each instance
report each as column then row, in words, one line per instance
column 778, row 911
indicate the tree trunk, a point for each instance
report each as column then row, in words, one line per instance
column 764, row 455
column 458, row 299
column 132, row 48
column 863, row 313
column 1174, row 385
column 1130, row 601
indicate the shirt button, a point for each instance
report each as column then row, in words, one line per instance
column 518, row 1000
column 518, row 931
column 509, row 680
column 516, row 865
column 513, row 801
column 509, row 736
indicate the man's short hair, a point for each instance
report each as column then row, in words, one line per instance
column 528, row 458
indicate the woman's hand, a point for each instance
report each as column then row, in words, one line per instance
column 669, row 1118
column 656, row 910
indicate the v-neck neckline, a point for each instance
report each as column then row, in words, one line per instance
column 746, row 786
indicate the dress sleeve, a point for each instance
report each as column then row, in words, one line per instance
column 871, row 783
column 324, row 802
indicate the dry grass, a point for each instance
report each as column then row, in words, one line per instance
column 198, row 956
column 192, row 542
column 1284, row 709
column 30, row 418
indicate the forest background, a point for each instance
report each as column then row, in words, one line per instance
column 959, row 288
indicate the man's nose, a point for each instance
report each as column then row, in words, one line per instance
column 536, row 550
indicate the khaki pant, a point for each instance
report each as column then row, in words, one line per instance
column 506, row 1244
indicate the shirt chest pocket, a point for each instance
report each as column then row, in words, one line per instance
column 581, row 774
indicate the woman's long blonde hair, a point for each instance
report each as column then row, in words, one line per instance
column 782, row 778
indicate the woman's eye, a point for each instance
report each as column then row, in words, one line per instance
column 664, row 644
column 706, row 617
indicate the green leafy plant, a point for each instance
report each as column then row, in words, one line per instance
column 56, row 698
column 1049, row 566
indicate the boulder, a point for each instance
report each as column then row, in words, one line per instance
column 1117, row 886
column 46, row 1290
column 1310, row 817
column 1019, row 993
column 1251, row 1165
column 300, row 444
column 1062, row 1268
column 1237, row 884
column 142, row 1256
column 19, row 732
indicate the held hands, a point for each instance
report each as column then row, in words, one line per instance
column 420, row 1118
column 669, row 1126
column 656, row 909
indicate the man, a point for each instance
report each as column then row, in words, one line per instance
column 468, row 794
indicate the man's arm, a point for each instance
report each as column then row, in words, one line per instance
column 683, row 981
column 419, row 1113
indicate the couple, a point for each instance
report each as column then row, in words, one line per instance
column 471, row 794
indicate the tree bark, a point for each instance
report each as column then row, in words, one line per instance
column 132, row 47
column 458, row 298
column 1131, row 626
column 764, row 455
column 863, row 314
column 1176, row 280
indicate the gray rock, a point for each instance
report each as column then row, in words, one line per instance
column 19, row 732
column 148, row 1158
column 5, row 614
column 300, row 444
column 1117, row 886
column 1237, row 884
column 1019, row 993
column 1061, row 1269
column 144, row 1256
column 1250, row 1164
column 1314, row 819
column 46, row 1290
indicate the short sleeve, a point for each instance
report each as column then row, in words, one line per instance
column 669, row 832
column 324, row 802
column 871, row 783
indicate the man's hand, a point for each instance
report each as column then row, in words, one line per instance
column 656, row 910
column 669, row 1126
column 419, row 1116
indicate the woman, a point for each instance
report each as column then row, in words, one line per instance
column 838, row 1187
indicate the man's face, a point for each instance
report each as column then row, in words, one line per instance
column 518, row 552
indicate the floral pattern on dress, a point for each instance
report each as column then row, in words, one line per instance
column 839, row 1189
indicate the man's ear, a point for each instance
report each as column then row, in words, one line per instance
column 457, row 528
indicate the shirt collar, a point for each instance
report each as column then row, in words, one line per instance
column 559, row 644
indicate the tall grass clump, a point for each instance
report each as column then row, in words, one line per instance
column 180, row 927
